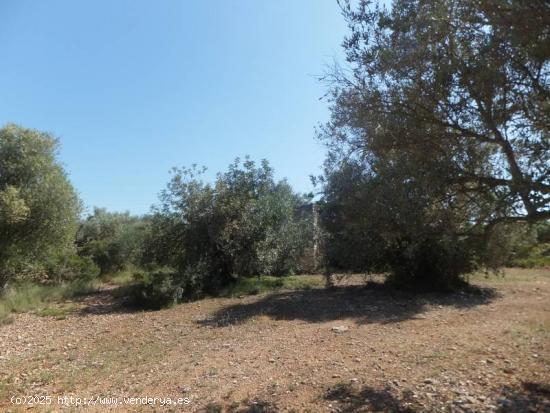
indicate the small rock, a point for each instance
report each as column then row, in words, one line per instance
column 340, row 329
column 271, row 360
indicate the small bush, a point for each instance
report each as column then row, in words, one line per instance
column 112, row 240
column 59, row 268
column 71, row 268
column 155, row 290
column 432, row 265
column 536, row 256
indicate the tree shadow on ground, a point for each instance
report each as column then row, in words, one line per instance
column 530, row 397
column 256, row 407
column 111, row 300
column 367, row 399
column 374, row 303
column 250, row 406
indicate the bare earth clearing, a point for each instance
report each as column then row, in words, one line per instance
column 351, row 349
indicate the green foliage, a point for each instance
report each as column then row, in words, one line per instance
column 27, row 296
column 71, row 267
column 112, row 240
column 13, row 208
column 244, row 224
column 427, row 153
column 155, row 290
column 529, row 246
column 38, row 206
column 384, row 222
column 518, row 245
column 59, row 313
column 120, row 278
column 543, row 232
column 536, row 257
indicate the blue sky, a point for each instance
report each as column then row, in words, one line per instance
column 133, row 88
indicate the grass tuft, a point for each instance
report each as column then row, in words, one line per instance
column 29, row 296
column 59, row 313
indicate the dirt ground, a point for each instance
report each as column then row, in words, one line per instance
column 352, row 349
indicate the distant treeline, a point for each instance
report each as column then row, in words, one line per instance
column 200, row 238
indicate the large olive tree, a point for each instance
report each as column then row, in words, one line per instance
column 444, row 107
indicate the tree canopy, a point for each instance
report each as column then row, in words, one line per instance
column 443, row 114
column 244, row 224
column 39, row 208
column 466, row 82
column 113, row 240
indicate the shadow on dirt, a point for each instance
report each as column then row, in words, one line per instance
column 110, row 300
column 250, row 406
column 373, row 303
column 367, row 399
column 530, row 397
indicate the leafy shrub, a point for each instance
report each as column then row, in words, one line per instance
column 543, row 232
column 386, row 222
column 243, row 225
column 155, row 290
column 112, row 240
column 535, row 257
column 522, row 245
column 435, row 264
column 71, row 267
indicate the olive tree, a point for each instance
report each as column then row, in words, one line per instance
column 444, row 108
column 244, row 224
column 113, row 240
column 39, row 207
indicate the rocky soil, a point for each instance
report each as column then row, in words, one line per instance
column 351, row 349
